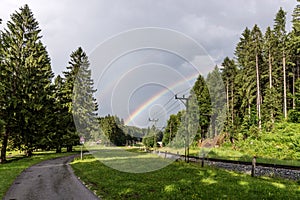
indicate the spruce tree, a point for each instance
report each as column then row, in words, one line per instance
column 257, row 41
column 229, row 72
column 281, row 37
column 79, row 94
column 28, row 77
column 201, row 92
column 245, row 81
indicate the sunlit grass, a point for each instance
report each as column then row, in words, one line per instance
column 180, row 180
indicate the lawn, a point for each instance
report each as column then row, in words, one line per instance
column 180, row 180
column 15, row 165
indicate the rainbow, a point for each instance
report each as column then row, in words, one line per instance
column 155, row 97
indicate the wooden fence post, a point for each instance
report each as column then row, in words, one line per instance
column 202, row 160
column 253, row 166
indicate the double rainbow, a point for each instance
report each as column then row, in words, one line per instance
column 156, row 96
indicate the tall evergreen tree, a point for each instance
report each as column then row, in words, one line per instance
column 245, row 80
column 171, row 128
column 257, row 41
column 229, row 72
column 201, row 92
column 217, row 97
column 28, row 78
column 79, row 94
column 269, row 54
column 281, row 36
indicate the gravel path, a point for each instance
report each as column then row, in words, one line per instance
column 49, row 180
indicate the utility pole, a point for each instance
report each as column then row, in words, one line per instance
column 185, row 101
column 154, row 137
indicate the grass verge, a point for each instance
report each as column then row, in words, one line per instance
column 180, row 180
column 10, row 170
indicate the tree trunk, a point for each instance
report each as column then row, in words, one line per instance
column 271, row 85
column 232, row 103
column 284, row 87
column 58, row 149
column 293, row 88
column 3, row 148
column 258, row 93
column 69, row 148
column 227, row 96
column 270, row 70
column 29, row 153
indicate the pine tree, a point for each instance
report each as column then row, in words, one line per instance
column 217, row 97
column 257, row 38
column 171, row 129
column 281, row 36
column 272, row 107
column 229, row 72
column 294, row 46
column 27, row 67
column 245, row 80
column 78, row 92
column 201, row 92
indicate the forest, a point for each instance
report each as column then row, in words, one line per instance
column 262, row 83
column 37, row 108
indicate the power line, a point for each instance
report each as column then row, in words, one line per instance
column 185, row 101
column 165, row 109
column 185, row 90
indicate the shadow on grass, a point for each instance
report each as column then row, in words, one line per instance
column 182, row 181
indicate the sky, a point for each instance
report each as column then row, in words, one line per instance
column 216, row 25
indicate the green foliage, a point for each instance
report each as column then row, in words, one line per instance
column 201, row 92
column 151, row 138
column 112, row 131
column 282, row 142
column 180, row 181
column 217, row 97
column 26, row 76
column 171, row 128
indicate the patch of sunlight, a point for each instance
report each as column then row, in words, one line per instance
column 185, row 181
column 126, row 191
column 209, row 181
column 265, row 178
column 243, row 183
column 201, row 173
column 139, row 156
column 170, row 188
column 211, row 172
column 84, row 160
column 278, row 185
column 232, row 173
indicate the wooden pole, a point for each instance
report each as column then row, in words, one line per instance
column 253, row 166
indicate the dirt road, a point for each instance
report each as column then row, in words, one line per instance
column 49, row 180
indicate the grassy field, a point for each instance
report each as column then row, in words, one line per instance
column 180, row 180
column 15, row 165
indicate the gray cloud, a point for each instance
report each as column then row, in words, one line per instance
column 216, row 24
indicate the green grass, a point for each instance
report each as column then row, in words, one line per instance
column 280, row 146
column 180, row 180
column 15, row 165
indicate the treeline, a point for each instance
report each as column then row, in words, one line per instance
column 261, row 83
column 113, row 131
column 36, row 107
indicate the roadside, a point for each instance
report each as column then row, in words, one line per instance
column 50, row 179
